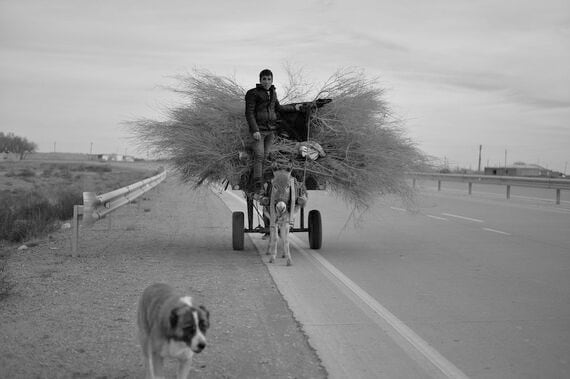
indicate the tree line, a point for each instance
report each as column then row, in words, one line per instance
column 11, row 143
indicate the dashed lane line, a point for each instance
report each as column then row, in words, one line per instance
column 497, row 231
column 437, row 217
column 462, row 217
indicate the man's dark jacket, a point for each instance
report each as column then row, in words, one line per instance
column 261, row 108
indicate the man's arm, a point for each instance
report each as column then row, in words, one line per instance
column 250, row 112
column 287, row 108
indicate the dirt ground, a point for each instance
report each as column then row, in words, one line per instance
column 74, row 317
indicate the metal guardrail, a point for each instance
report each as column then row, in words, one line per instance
column 96, row 207
column 508, row 181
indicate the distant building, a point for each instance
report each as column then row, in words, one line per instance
column 9, row 157
column 521, row 169
column 115, row 157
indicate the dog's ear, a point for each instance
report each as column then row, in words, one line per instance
column 203, row 308
column 204, row 323
column 173, row 318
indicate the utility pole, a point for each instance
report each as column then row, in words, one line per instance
column 479, row 167
column 505, row 158
column 54, row 147
column 91, row 149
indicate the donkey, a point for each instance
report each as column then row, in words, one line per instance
column 284, row 201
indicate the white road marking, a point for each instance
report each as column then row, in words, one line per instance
column 445, row 367
column 496, row 231
column 419, row 344
column 462, row 217
column 398, row 209
column 437, row 217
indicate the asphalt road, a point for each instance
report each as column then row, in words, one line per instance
column 457, row 286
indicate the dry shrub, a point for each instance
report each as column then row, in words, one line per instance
column 367, row 151
column 203, row 138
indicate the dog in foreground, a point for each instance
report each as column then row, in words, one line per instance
column 170, row 326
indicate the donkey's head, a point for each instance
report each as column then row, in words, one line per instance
column 281, row 190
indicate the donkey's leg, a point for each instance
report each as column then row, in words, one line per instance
column 268, row 251
column 285, row 236
column 271, row 226
column 272, row 247
column 283, row 239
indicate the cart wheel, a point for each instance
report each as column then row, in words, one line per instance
column 315, row 230
column 237, row 230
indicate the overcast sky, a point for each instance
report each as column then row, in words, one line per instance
column 462, row 73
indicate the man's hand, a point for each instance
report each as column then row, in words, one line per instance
column 298, row 107
column 257, row 136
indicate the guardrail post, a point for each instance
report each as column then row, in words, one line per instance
column 439, row 185
column 77, row 210
column 89, row 204
column 558, row 196
column 508, row 192
column 470, row 187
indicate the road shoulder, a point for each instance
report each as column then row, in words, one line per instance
column 76, row 316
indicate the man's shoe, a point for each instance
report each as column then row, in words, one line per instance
column 265, row 236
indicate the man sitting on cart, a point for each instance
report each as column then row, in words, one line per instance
column 261, row 109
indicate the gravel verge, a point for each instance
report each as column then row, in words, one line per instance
column 74, row 317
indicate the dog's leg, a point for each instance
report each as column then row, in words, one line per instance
column 285, row 236
column 184, row 366
column 148, row 369
column 157, row 366
column 148, row 357
column 147, row 363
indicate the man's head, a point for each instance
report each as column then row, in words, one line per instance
column 266, row 78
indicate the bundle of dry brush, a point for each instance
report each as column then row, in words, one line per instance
column 367, row 152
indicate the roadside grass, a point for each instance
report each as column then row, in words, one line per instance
column 36, row 197
column 24, row 215
column 5, row 283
